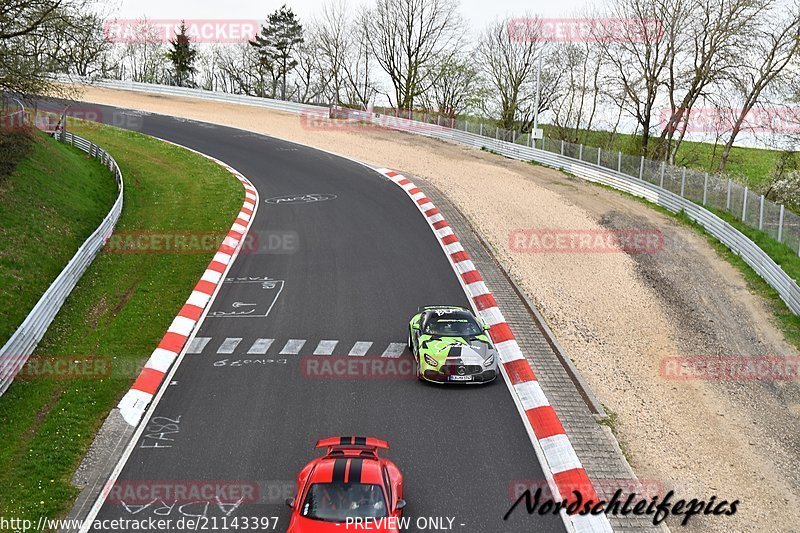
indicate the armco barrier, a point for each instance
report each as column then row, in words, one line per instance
column 22, row 343
column 754, row 256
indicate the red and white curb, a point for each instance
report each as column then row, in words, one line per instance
column 135, row 402
column 548, row 435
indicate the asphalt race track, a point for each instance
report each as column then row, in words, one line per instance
column 351, row 268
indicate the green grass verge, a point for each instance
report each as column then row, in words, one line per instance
column 119, row 310
column 54, row 199
column 785, row 320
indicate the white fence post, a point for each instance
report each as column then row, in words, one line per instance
column 480, row 130
column 728, row 199
column 661, row 180
column 619, row 161
column 580, row 153
column 780, row 226
column 744, row 205
column 641, row 169
column 705, row 188
column 683, row 181
column 761, row 214
column 496, row 132
column 599, row 150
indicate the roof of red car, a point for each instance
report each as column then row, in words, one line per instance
column 349, row 466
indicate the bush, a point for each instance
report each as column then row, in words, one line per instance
column 14, row 146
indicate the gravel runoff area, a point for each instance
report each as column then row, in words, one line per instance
column 618, row 315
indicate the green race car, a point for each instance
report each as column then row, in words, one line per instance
column 451, row 345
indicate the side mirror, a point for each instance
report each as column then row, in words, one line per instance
column 290, row 502
column 486, row 326
column 415, row 326
column 400, row 504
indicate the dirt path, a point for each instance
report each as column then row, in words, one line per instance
column 617, row 315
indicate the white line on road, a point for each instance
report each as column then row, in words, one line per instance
column 293, row 347
column 360, row 348
column 229, row 345
column 261, row 346
column 198, row 344
column 395, row 350
column 325, row 347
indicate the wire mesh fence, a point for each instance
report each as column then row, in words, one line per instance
column 703, row 188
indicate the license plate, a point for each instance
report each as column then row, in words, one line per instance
column 460, row 378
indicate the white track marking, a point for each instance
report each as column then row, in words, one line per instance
column 360, row 348
column 229, row 345
column 131, row 445
column 395, row 350
column 261, row 346
column 198, row 344
column 293, row 347
column 325, row 347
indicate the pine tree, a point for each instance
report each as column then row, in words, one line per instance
column 182, row 55
column 277, row 42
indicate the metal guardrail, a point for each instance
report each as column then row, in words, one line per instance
column 290, row 107
column 740, row 244
column 15, row 353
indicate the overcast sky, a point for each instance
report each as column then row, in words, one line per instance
column 477, row 12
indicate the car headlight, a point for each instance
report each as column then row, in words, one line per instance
column 489, row 361
column 431, row 361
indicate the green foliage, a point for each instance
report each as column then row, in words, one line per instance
column 182, row 55
column 277, row 44
column 55, row 198
column 14, row 146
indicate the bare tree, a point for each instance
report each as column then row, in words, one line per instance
column 772, row 46
column 360, row 87
column 330, row 35
column 307, row 83
column 639, row 54
column 144, row 53
column 457, row 88
column 31, row 32
column 240, row 70
column 508, row 59
column 712, row 37
column 575, row 105
column 406, row 36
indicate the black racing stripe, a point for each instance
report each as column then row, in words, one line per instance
column 355, row 470
column 339, row 468
column 344, row 441
column 360, row 441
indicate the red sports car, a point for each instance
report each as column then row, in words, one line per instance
column 351, row 488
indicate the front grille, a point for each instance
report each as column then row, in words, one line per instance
column 468, row 369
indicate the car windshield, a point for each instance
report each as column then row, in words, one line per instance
column 453, row 325
column 335, row 502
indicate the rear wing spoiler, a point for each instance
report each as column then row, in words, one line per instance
column 429, row 307
column 366, row 443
